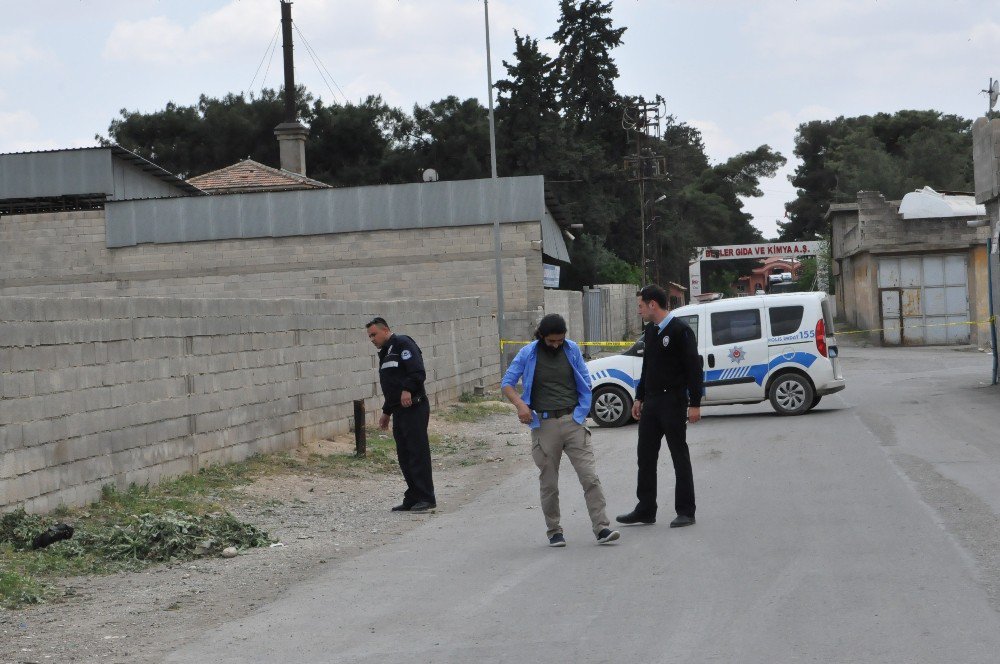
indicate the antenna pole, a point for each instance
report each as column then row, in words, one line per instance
column 496, row 190
column 286, row 48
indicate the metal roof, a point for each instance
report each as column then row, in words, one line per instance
column 86, row 172
column 339, row 210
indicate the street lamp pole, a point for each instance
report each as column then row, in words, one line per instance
column 496, row 184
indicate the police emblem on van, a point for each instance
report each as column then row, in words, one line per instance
column 736, row 354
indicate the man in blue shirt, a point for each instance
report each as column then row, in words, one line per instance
column 554, row 402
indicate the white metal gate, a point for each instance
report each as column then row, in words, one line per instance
column 924, row 299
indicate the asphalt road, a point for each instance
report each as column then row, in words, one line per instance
column 864, row 531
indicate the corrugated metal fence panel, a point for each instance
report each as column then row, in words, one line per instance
column 593, row 314
column 929, row 294
column 63, row 173
column 321, row 211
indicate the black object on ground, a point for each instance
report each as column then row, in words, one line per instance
column 55, row 533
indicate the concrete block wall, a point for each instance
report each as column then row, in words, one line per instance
column 986, row 166
column 97, row 391
column 882, row 227
column 64, row 254
column 569, row 305
column 623, row 318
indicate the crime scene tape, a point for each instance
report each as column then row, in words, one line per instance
column 991, row 319
column 628, row 344
column 610, row 344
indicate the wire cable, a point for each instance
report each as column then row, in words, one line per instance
column 270, row 60
column 320, row 66
column 269, row 49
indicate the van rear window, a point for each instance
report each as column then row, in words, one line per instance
column 785, row 320
column 730, row 327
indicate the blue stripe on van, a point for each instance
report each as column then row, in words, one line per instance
column 760, row 371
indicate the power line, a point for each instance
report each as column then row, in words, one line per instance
column 320, row 67
column 269, row 49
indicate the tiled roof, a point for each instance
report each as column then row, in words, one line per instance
column 249, row 175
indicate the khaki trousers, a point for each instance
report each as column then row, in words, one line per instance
column 549, row 441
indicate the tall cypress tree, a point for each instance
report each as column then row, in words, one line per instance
column 529, row 132
column 587, row 70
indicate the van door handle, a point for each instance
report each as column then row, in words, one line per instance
column 711, row 360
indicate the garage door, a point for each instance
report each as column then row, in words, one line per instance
column 920, row 296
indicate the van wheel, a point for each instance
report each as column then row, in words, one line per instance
column 791, row 394
column 815, row 401
column 612, row 406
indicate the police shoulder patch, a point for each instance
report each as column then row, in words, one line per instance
column 406, row 355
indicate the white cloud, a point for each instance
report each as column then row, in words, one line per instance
column 15, row 127
column 233, row 30
column 363, row 44
column 718, row 145
column 20, row 48
column 786, row 122
column 13, row 123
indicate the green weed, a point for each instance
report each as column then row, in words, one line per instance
column 17, row 590
column 473, row 412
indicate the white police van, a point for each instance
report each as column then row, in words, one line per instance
column 778, row 347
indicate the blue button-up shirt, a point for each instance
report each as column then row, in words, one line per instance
column 523, row 369
column 666, row 321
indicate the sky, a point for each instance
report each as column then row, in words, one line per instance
column 744, row 72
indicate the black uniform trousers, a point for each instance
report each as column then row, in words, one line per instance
column 664, row 414
column 413, row 449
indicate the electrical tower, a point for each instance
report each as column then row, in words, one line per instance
column 643, row 119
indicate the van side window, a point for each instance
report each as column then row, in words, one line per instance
column 730, row 327
column 785, row 320
column 692, row 322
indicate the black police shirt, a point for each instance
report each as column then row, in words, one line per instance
column 670, row 362
column 401, row 367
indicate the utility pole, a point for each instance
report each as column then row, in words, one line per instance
column 645, row 165
column 496, row 190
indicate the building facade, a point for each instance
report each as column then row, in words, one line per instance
column 910, row 281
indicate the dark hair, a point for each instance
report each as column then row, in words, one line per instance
column 550, row 324
column 653, row 293
column 378, row 320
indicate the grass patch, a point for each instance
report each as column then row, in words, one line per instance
column 473, row 411
column 129, row 530
column 177, row 520
column 18, row 590
column 472, row 397
column 380, row 456
column 111, row 536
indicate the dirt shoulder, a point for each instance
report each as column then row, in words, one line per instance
column 320, row 519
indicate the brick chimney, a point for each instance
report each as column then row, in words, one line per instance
column 292, row 146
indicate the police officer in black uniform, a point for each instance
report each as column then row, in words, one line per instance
column 667, row 397
column 401, row 373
